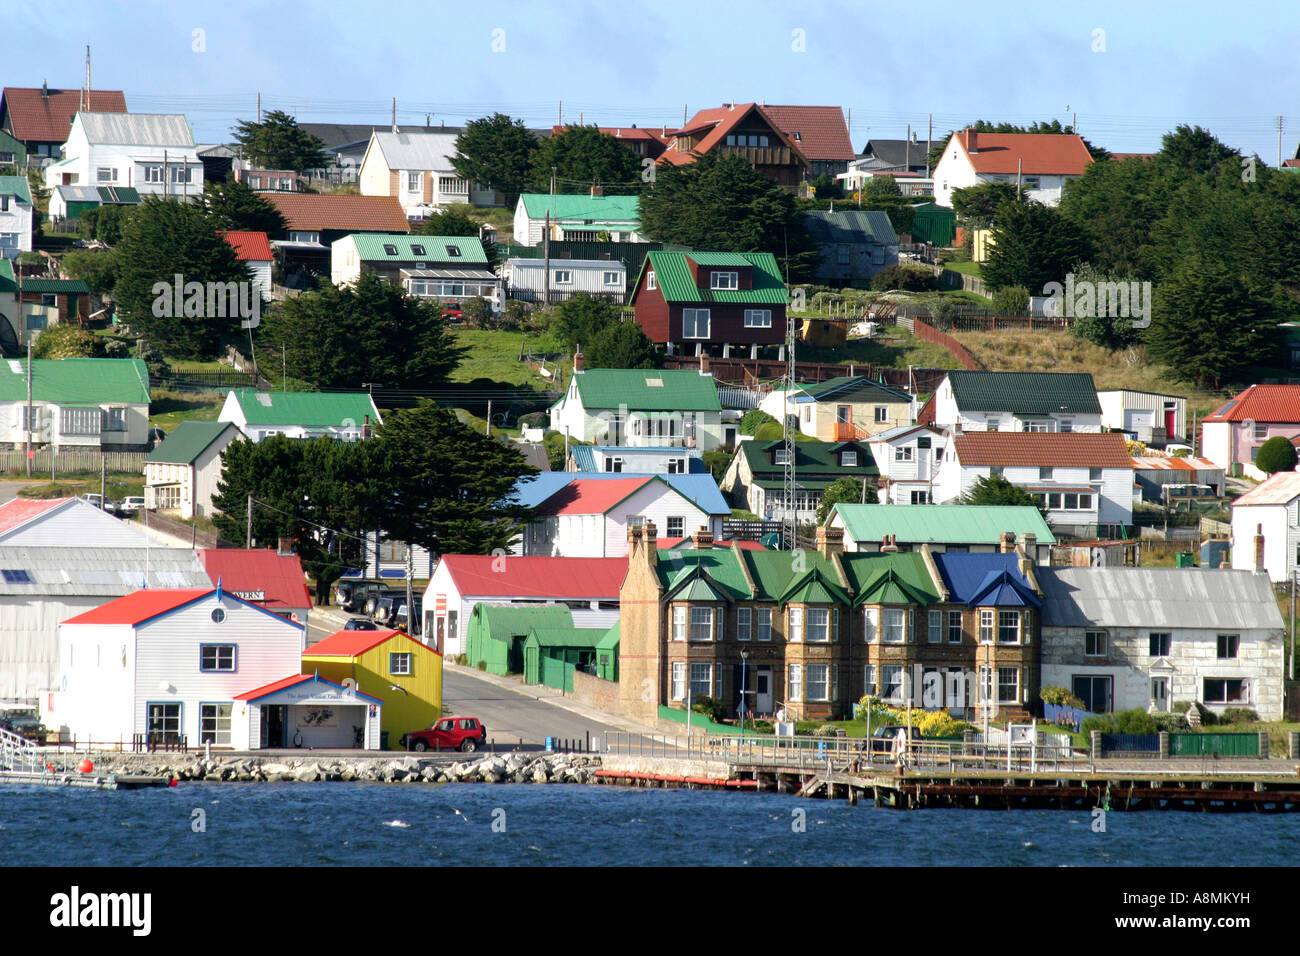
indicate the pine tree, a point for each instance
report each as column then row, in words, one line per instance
column 496, row 151
column 232, row 205
column 582, row 156
column 278, row 142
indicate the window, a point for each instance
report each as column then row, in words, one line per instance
column 842, row 253
column 695, row 323
column 214, row 724
column 936, row 627
column 1094, row 643
column 701, row 680
column 1066, row 425
column 781, row 456
column 1008, row 627
column 795, row 630
column 903, row 453
column 675, row 523
column 1228, row 645
column 79, row 421
column 417, row 249
column 986, row 626
column 6, row 159
column 564, row 277
column 1159, row 644
column 882, row 414
column 49, row 299
column 400, row 664
column 679, row 681
column 114, row 420
column 614, row 464
column 758, row 318
column 164, row 723
column 610, row 278
column 1036, row 426
column 823, row 624
column 676, row 466
column 894, row 631
column 153, row 174
column 849, row 459
column 992, row 424
column 1261, row 431
column 16, row 576
column 180, row 174
column 954, row 627
column 1044, row 474
column 650, row 281
column 1008, row 685
column 724, row 280
column 744, row 616
column 414, row 181
column 869, row 680
column 1226, row 690
column 764, row 624
column 390, row 248
column 870, row 624
column 795, row 687
column 891, row 683
column 819, row 682
column 921, row 498
column 217, row 657
column 679, row 623
column 105, row 174
column 299, row 235
column 1094, row 474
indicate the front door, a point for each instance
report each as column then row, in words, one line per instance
column 1160, row 693
column 273, row 716
column 442, row 633
column 763, row 690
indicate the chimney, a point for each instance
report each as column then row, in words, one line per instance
column 365, row 426
column 1029, row 547
column 704, row 364
column 702, row 539
column 285, row 546
column 972, row 141
column 597, row 189
column 577, row 361
column 1259, row 548
column 1007, row 542
column 890, row 545
column 642, row 544
column 830, row 540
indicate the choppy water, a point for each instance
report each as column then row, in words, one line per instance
column 520, row 824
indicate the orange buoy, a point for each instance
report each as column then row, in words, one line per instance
column 86, row 766
column 50, row 767
column 174, row 782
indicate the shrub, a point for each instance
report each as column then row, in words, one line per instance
column 1059, row 696
column 1102, row 722
column 761, row 727
column 753, row 418
column 826, row 730
column 535, row 420
column 907, row 278
column 1135, row 722
column 67, row 341
column 481, row 665
column 943, row 312
column 1276, row 454
column 710, row 707
column 1011, row 300
column 476, row 312
column 1239, row 715
column 717, row 463
column 1170, row 723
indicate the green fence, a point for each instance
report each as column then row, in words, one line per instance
column 1222, row 745
column 557, row 674
column 697, row 720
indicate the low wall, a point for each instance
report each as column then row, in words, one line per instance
column 596, row 692
column 665, row 766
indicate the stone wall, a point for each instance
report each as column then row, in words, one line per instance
column 596, row 692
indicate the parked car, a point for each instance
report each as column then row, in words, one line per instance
column 452, row 312
column 381, row 605
column 100, row 502
column 449, row 733
column 351, row 595
column 360, row 624
column 131, row 505
column 883, row 739
column 25, row 722
column 402, row 621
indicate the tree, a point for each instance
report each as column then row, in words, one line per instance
column 846, row 490
column 907, row 278
column 1190, row 149
column 447, row 487
column 1011, row 300
column 622, row 345
column 996, row 490
column 496, row 151
column 1106, row 330
column 447, row 222
column 580, row 318
column 582, row 156
column 67, row 341
column 97, row 267
column 824, row 187
column 233, row 205
column 1276, row 454
column 369, row 331
column 1032, row 246
column 162, row 239
column 977, row 207
column 103, row 223
column 476, row 312
column 880, row 187
column 1116, row 205
column 278, row 142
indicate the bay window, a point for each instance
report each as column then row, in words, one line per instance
column 821, row 682
column 701, row 680
column 1008, row 627
column 679, row 681
column 986, row 625
column 891, row 684
column 795, row 685
column 701, row 624
column 1008, row 685
column 823, row 624
column 871, row 625
column 679, row 623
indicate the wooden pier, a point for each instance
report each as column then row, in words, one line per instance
column 84, row 781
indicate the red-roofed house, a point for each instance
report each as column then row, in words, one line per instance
column 741, row 129
column 820, row 132
column 1041, row 162
column 588, row 518
column 254, row 250
column 41, row 118
column 270, row 579
column 1232, row 435
column 587, row 586
column 646, row 143
column 166, row 666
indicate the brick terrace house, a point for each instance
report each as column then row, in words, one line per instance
column 1232, row 435
column 41, row 118
column 740, row 129
column 1041, row 162
column 701, row 301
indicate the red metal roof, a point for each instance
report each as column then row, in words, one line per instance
column 312, row 212
column 266, row 690
column 1261, row 403
column 249, row 246
column 591, row 496
column 243, row 570
column 1033, row 154
column 823, row 134
column 356, row 643
column 1280, row 489
column 19, row 511
column 536, row 576
column 1188, row 463
column 1063, row 449
column 140, row 606
column 37, row 117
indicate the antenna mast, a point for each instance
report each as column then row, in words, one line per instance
column 85, row 92
column 790, row 524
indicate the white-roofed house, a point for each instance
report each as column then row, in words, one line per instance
column 153, row 153
column 1266, row 527
column 416, row 169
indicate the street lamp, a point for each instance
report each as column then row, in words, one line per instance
column 744, row 659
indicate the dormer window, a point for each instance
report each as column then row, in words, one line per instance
column 849, row 459
column 417, row 249
column 781, row 456
column 724, row 280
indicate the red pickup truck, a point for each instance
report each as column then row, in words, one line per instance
column 449, row 733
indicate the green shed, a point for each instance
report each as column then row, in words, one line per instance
column 934, row 224
column 607, row 655
column 546, row 647
column 495, row 635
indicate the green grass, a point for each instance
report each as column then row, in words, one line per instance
column 117, row 486
column 898, row 348
column 966, row 268
column 495, row 356
column 167, row 408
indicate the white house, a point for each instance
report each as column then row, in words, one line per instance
column 1266, row 527
column 1014, row 401
column 253, row 249
column 1122, row 638
column 526, row 278
column 589, row 587
column 908, row 458
column 577, row 217
column 83, row 402
column 1085, row 480
column 641, row 461
column 1040, row 163
column 1233, row 435
column 182, row 473
column 977, row 529
column 15, row 216
column 1149, row 417
column 416, row 169
column 345, row 415
column 152, row 153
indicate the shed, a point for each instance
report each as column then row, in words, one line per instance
column 607, row 655
column 495, row 637
column 545, row 647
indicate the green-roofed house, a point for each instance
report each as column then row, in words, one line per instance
column 448, row 268
column 15, row 216
column 640, row 408
column 692, row 301
column 181, row 474
column 578, row 217
column 49, row 301
column 1015, row 402
column 76, row 402
column 344, row 415
column 978, row 529
column 755, row 479
column 495, row 635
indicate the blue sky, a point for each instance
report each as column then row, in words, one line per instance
column 1131, row 71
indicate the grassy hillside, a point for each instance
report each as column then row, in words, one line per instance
column 495, row 356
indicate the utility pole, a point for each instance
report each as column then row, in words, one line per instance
column 28, row 422
column 394, row 114
column 248, row 537
column 410, row 600
column 559, row 114
column 1020, row 167
column 546, row 257
column 1294, row 574
column 907, row 149
column 259, row 109
column 488, row 430
column 929, row 145
column 553, row 180
column 103, row 481
column 1279, row 140
column 790, row 523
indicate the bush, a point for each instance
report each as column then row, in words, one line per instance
column 116, row 348
column 1101, row 722
column 514, row 316
column 154, row 359
column 1170, row 723
column 717, row 463
column 710, row 707
column 1135, row 722
column 535, row 420
column 476, row 312
column 1059, row 696
column 761, row 727
column 907, row 278
column 1011, row 300
column 1276, row 454
column 753, row 418
column 67, row 341
column 943, row 312
column 1239, row 715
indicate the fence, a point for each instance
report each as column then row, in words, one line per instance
column 928, row 333
column 1006, row 323
column 734, row 396
column 209, row 379
column 557, row 674
column 52, row 461
column 1061, row 714
column 1219, row 745
column 741, row 529
column 1141, row 745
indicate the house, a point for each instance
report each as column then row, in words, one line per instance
column 268, row 180
column 152, row 153
column 253, row 249
column 1122, row 638
column 273, row 580
column 643, row 461
column 755, row 479
column 813, row 631
column 416, row 169
column 860, row 173
column 693, row 301
column 344, row 415
column 740, row 129
column 644, row 143
column 182, row 472
column 1266, row 528
column 588, row 517
column 896, row 155
column 640, row 408
column 589, row 587
column 1169, row 480
column 908, row 458
column 446, row 268
column 218, row 162
column 50, row 301
column 71, row 202
column 978, row 529
column 407, row 673
column 1149, row 417
column 62, row 558
column 1084, row 480
column 854, row 244
column 314, row 221
column 1231, row 436
column 15, row 216
column 1040, row 163
column 306, row 710
column 526, row 279
column 577, row 217
column 13, row 154
column 41, row 118
column 844, row 408
column 75, row 402
column 698, row 489
column 820, row 133
column 1014, row 401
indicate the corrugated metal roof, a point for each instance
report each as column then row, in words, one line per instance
column 941, row 524
column 242, row 570
column 57, row 286
column 1280, row 489
column 845, row 387
column 249, row 246
column 309, row 409
column 677, row 284
column 371, row 248
column 356, row 643
column 188, row 441
column 1157, row 598
column 580, row 208
column 138, row 129
column 423, row 151
column 1062, row 449
column 16, row 186
column 481, row 275
column 851, row 227
column 670, row 390
column 503, row 623
column 1025, row 393
column 700, row 488
column 1157, row 463
column 535, row 576
column 584, row 496
column 90, row 380
column 1261, row 403
column 266, row 690
column 101, row 572
column 312, row 212
column 811, row 458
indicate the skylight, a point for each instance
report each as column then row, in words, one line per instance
column 654, row 383
column 390, row 248
column 417, row 249
column 16, row 576
column 453, row 252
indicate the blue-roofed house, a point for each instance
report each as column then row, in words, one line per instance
column 624, row 458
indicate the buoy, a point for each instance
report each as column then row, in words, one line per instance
column 50, row 767
column 173, row 782
column 86, row 766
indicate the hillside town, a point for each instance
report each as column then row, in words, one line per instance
column 736, row 424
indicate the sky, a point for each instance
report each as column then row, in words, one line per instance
column 1129, row 71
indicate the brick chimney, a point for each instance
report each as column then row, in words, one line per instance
column 577, row 361
column 830, row 540
column 642, row 544
column 972, row 141
column 1259, row 548
column 1007, row 542
column 284, row 546
column 704, row 364
column 597, row 189
column 702, row 539
column 890, row 544
column 1029, row 547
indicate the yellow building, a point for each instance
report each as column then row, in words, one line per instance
column 848, row 408
column 981, row 243
column 390, row 665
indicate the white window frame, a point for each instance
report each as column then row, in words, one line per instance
column 218, row 721
column 893, row 622
column 678, row 690
column 828, row 626
column 650, row 282
column 869, row 680
column 794, row 625
column 724, row 281
column 794, row 684
column 903, row 453
column 849, row 459
column 679, row 622
column 763, row 625
column 414, row 182
column 871, row 624
column 758, row 318
column 707, row 682
column 988, row 625
column 817, row 682
column 1094, row 643
column 401, row 664
column 153, row 174
column 563, row 277
column 955, row 625
column 610, row 278
column 744, row 622
column 700, row 627
column 1003, row 617
column 101, row 178
column 936, row 627
column 882, row 414
column 681, row 526
column 887, row 671
column 693, row 316
column 1001, row 685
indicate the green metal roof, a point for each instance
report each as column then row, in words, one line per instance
column 588, row 637
column 503, row 623
column 309, row 409
column 846, row 388
column 648, row 390
column 696, row 586
column 1025, row 393
column 189, row 440
column 7, row 276
column 118, row 195
column 72, row 380
column 941, row 524
column 674, row 279
column 813, row 587
column 16, row 186
column 595, row 208
column 61, row 286
column 610, row 640
column 812, row 458
column 370, row 248
column 890, row 578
